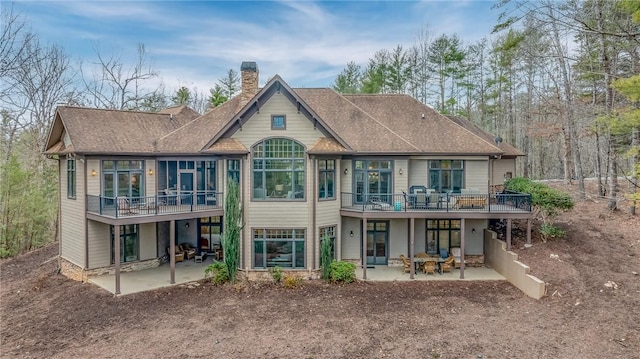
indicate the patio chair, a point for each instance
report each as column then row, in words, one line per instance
column 446, row 265
column 123, row 205
column 429, row 267
column 421, row 255
column 407, row 264
column 455, row 252
column 179, row 254
column 189, row 251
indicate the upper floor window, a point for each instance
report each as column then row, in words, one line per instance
column 278, row 169
column 122, row 178
column 278, row 122
column 326, row 178
column 71, row 178
column 233, row 170
column 372, row 180
column 446, row 175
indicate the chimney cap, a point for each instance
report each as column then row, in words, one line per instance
column 249, row 66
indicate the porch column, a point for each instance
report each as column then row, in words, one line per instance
column 412, row 239
column 529, row 232
column 462, row 239
column 364, row 248
column 509, row 234
column 116, row 255
column 172, row 250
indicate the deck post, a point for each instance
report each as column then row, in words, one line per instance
column 529, row 232
column 509, row 234
column 462, row 239
column 116, row 256
column 172, row 250
column 412, row 239
column 363, row 233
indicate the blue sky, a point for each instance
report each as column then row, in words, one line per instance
column 194, row 43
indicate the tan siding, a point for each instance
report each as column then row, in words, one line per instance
column 99, row 244
column 474, row 244
column 93, row 182
column 72, row 216
column 346, row 181
column 500, row 167
column 150, row 180
column 420, row 242
column 418, row 172
column 148, row 243
column 258, row 126
column 398, row 241
column 401, row 181
column 350, row 246
column 476, row 175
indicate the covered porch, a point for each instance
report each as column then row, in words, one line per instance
column 153, row 278
column 396, row 273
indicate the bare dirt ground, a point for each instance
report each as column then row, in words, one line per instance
column 45, row 315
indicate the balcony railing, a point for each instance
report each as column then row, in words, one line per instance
column 120, row 206
column 447, row 202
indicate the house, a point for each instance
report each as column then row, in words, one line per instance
column 380, row 175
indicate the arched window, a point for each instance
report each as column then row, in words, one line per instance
column 278, row 169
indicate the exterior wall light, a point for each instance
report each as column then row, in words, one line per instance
column 346, row 171
column 93, row 173
column 351, row 234
column 150, row 172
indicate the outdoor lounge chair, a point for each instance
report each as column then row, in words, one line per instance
column 421, row 255
column 189, row 251
column 455, row 252
column 123, row 205
column 179, row 254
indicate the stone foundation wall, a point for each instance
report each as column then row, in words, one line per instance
column 75, row 272
column 263, row 275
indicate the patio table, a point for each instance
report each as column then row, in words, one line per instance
column 420, row 260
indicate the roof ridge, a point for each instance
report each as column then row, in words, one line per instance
column 381, row 124
column 466, row 129
column 111, row 109
column 195, row 119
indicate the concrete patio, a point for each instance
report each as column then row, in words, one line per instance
column 388, row 274
column 154, row 278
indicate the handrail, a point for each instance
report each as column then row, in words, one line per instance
column 127, row 206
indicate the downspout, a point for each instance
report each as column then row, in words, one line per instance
column 86, row 221
column 313, row 210
column 59, row 215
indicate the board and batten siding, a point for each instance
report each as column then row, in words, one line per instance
column 476, row 175
column 72, row 215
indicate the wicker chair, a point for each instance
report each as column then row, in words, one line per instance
column 429, row 267
column 446, row 265
column 421, row 255
column 188, row 251
column 179, row 254
column 406, row 262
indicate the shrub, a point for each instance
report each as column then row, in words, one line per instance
column 276, row 274
column 342, row 272
column 550, row 231
column 217, row 272
column 325, row 257
column 291, row 281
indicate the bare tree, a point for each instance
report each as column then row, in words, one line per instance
column 114, row 86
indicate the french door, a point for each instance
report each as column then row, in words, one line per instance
column 377, row 242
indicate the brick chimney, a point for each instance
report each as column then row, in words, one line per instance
column 249, row 73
